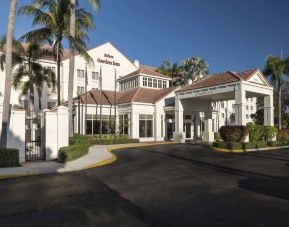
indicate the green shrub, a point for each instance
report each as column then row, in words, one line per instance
column 283, row 135
column 235, row 133
column 261, row 132
column 70, row 153
column 217, row 136
column 254, row 144
column 9, row 157
column 228, row 145
column 79, row 145
column 278, row 143
column 269, row 132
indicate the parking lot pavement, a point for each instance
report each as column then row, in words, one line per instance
column 165, row 185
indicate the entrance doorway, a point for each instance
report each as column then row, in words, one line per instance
column 188, row 130
column 170, row 130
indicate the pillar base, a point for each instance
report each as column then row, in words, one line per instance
column 209, row 136
column 179, row 137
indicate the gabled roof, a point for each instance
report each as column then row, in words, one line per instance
column 147, row 70
column 222, row 78
column 139, row 94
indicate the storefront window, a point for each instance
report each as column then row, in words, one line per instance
column 145, row 125
column 93, row 124
column 123, row 124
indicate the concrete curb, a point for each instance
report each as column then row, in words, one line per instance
column 110, row 160
column 249, row 150
column 114, row 158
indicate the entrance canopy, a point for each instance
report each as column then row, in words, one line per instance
column 224, row 86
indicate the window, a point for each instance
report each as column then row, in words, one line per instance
column 136, row 82
column 164, row 84
column 233, row 105
column 155, row 83
column 247, row 116
column 80, row 73
column 94, row 75
column 252, row 107
column 247, row 107
column 222, row 104
column 149, row 82
column 145, row 125
column 159, row 84
column 223, row 115
column 145, row 81
column 80, row 90
column 188, row 117
column 123, row 124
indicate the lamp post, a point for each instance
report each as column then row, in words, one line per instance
column 100, row 107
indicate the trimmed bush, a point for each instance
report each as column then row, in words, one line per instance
column 278, row 143
column 235, row 133
column 9, row 157
column 79, row 145
column 228, row 145
column 283, row 135
column 253, row 145
column 70, row 153
column 261, row 132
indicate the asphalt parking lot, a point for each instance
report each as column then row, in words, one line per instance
column 164, row 185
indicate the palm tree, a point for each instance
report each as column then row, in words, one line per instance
column 275, row 67
column 170, row 69
column 52, row 17
column 29, row 71
column 194, row 69
column 72, row 24
column 8, row 70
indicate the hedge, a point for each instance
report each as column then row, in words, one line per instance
column 283, row 135
column 261, row 132
column 235, row 133
column 70, row 153
column 235, row 145
column 79, row 145
column 9, row 157
column 278, row 143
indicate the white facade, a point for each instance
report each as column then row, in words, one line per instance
column 148, row 121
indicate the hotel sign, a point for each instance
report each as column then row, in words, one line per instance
column 109, row 61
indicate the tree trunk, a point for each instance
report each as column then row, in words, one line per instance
column 39, row 98
column 58, row 74
column 71, row 67
column 8, row 75
column 279, row 106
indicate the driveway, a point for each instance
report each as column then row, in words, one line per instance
column 164, row 185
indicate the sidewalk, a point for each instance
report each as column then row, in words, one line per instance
column 98, row 155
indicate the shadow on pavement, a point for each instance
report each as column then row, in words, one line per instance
column 271, row 187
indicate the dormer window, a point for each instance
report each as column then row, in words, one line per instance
column 155, row 83
column 159, row 84
column 145, row 81
column 149, row 82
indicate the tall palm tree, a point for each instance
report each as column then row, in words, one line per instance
column 8, row 70
column 52, row 17
column 29, row 72
column 72, row 24
column 275, row 67
column 170, row 69
column 194, row 69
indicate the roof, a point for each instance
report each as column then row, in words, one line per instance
column 221, row 78
column 144, row 69
column 139, row 94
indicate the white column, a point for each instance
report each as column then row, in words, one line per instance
column 268, row 110
column 56, row 131
column 179, row 121
column 208, row 133
column 240, row 106
column 197, row 127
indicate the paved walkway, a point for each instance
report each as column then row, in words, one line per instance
column 97, row 155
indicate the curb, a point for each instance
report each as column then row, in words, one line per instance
column 249, row 150
column 8, row 176
column 114, row 158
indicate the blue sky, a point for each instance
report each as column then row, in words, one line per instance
column 229, row 34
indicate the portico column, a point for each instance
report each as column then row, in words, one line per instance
column 179, row 115
column 268, row 110
column 208, row 134
column 197, row 125
column 240, row 106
